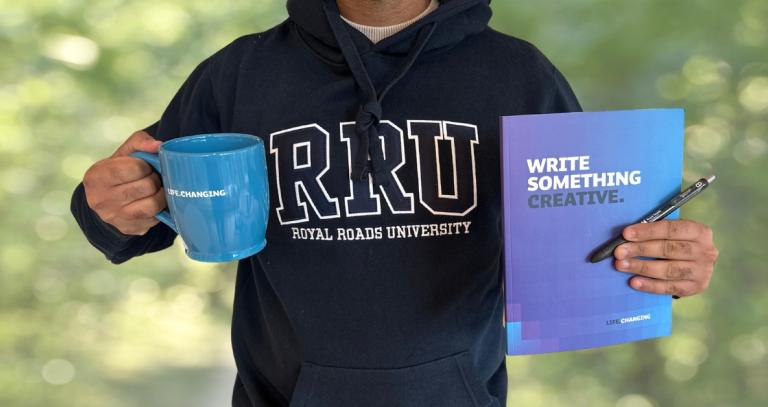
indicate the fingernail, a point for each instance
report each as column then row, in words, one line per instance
column 630, row 233
column 637, row 283
column 623, row 264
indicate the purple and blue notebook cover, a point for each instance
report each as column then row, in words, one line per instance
column 556, row 300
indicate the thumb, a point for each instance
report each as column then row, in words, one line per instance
column 139, row 141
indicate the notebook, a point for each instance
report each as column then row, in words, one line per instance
column 570, row 182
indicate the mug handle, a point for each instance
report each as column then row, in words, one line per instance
column 154, row 161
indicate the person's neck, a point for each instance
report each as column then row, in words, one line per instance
column 381, row 13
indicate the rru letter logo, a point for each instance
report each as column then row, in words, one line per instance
column 302, row 159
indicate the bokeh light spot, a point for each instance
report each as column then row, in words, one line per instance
column 749, row 149
column 16, row 257
column 702, row 71
column 55, row 202
column 99, row 282
column 75, row 51
column 672, row 87
column 679, row 371
column 34, row 92
column 51, row 228
column 634, row 400
column 75, row 165
column 752, row 30
column 684, row 348
column 117, row 128
column 144, row 289
column 703, row 141
column 49, row 287
column 14, row 133
column 164, row 23
column 754, row 94
column 58, row 371
column 748, row 349
column 18, row 180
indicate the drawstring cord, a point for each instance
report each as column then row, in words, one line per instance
column 370, row 113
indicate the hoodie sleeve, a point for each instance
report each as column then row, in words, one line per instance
column 544, row 85
column 191, row 111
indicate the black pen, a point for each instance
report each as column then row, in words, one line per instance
column 606, row 250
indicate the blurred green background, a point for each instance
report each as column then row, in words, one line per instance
column 77, row 77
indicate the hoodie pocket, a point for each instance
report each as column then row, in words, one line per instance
column 444, row 382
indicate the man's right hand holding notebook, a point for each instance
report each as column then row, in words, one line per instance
column 683, row 251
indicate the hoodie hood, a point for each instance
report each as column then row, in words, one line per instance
column 334, row 41
column 458, row 19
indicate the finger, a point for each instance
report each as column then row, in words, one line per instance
column 664, row 229
column 160, row 197
column 115, row 171
column 123, row 170
column 136, row 190
column 680, row 288
column 660, row 249
column 138, row 141
column 658, row 269
column 144, row 208
column 134, row 227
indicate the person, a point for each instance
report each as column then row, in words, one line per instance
column 381, row 282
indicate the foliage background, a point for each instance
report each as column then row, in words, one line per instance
column 77, row 77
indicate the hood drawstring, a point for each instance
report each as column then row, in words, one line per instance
column 370, row 113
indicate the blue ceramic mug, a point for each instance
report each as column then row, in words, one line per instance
column 217, row 190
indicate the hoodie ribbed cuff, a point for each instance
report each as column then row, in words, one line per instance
column 102, row 235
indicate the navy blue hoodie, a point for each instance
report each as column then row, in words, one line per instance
column 381, row 281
